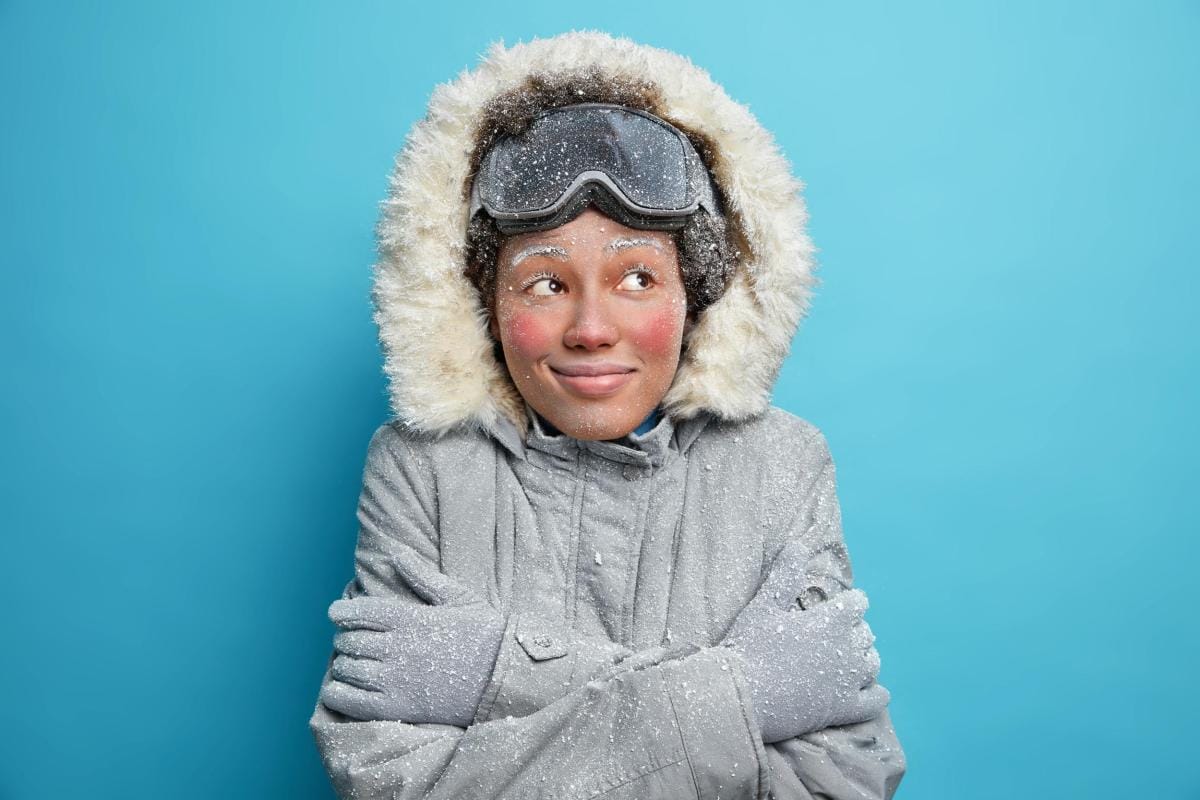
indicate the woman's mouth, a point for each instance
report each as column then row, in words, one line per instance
column 592, row 380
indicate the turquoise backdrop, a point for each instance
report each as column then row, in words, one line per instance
column 1003, row 355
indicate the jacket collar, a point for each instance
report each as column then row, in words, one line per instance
column 651, row 449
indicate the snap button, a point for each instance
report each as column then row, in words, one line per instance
column 542, row 646
column 812, row 596
column 631, row 472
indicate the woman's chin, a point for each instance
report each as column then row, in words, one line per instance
column 593, row 422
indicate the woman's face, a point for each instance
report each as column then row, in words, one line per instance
column 591, row 316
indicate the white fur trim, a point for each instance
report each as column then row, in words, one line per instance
column 439, row 357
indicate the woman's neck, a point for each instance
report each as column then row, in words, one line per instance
column 646, row 425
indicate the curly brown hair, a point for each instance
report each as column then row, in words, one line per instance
column 705, row 244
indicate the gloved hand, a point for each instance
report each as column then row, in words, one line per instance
column 810, row 669
column 811, row 666
column 401, row 661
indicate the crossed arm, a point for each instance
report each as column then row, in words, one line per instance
column 569, row 715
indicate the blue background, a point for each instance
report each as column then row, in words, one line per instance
column 1003, row 355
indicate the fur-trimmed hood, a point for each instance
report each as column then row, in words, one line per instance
column 440, row 361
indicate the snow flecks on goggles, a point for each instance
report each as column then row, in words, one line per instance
column 635, row 167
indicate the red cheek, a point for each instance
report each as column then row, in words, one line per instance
column 659, row 331
column 527, row 333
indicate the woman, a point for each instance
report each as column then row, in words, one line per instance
column 592, row 561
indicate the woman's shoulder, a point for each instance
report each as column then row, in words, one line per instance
column 774, row 452
column 397, row 429
column 400, row 442
column 774, row 429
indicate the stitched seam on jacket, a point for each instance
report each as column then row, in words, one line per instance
column 501, row 670
column 504, row 583
column 762, row 789
column 631, row 777
column 574, row 534
column 633, row 574
column 697, row 466
column 674, row 565
column 682, row 743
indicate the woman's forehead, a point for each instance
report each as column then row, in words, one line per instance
column 591, row 230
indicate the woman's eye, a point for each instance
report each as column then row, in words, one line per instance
column 637, row 281
column 546, row 287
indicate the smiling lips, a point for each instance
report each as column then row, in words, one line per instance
column 593, row 380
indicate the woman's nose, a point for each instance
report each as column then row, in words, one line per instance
column 592, row 326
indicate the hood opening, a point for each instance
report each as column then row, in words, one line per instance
column 444, row 368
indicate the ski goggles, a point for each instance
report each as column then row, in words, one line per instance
column 635, row 167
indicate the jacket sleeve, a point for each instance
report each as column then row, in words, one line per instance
column 858, row 761
column 655, row 728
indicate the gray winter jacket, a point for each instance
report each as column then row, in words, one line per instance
column 654, row 543
column 620, row 565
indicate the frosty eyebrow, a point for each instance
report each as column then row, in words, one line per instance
column 539, row 250
column 624, row 244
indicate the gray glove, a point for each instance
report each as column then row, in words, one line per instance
column 397, row 660
column 809, row 669
column 400, row 660
column 810, row 665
